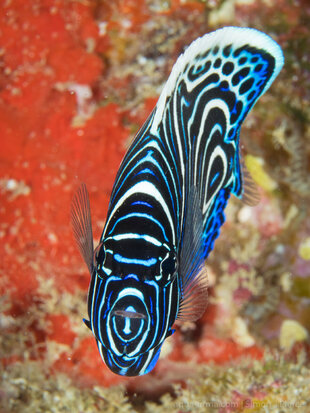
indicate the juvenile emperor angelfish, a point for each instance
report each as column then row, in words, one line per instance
column 167, row 203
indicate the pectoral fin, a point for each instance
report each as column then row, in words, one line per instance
column 192, row 271
column 81, row 225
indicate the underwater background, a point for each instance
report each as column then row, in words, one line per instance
column 77, row 80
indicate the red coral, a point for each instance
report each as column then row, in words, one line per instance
column 58, row 329
column 223, row 350
column 74, row 64
column 85, row 365
column 45, row 43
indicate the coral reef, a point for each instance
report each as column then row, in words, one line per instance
column 77, row 80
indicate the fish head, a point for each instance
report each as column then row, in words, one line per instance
column 134, row 302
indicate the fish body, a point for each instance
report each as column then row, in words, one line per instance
column 168, row 200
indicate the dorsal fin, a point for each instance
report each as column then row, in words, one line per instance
column 81, row 225
column 192, row 270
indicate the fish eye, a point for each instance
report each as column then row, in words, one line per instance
column 168, row 269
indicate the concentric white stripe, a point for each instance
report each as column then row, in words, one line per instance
column 144, row 187
column 218, row 152
column 131, row 235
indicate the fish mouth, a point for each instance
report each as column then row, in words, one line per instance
column 129, row 314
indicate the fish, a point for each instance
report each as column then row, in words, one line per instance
column 168, row 200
